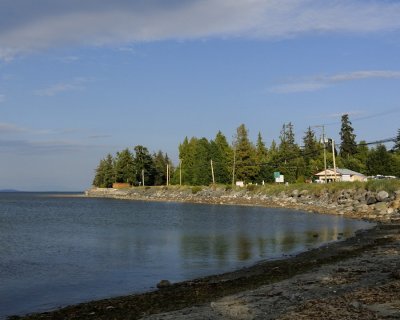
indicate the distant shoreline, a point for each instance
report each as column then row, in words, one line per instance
column 352, row 203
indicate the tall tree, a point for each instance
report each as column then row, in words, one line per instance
column 289, row 153
column 246, row 168
column 396, row 147
column 222, row 155
column 124, row 167
column 187, row 158
column 160, row 168
column 380, row 161
column 144, row 165
column 348, row 146
column 262, row 160
column 312, row 147
column 105, row 176
column 201, row 164
column 311, row 152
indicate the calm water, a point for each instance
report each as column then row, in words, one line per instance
column 57, row 251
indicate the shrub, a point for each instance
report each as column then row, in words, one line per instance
column 196, row 189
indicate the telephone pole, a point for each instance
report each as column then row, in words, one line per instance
column 212, row 172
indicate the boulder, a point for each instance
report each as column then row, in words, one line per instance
column 382, row 196
column 371, row 199
column 381, row 208
column 163, row 284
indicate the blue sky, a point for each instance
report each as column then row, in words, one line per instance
column 80, row 79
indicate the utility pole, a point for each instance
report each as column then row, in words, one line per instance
column 143, row 177
column 234, row 165
column 180, row 172
column 323, row 141
column 212, row 172
column 333, row 156
column 167, row 175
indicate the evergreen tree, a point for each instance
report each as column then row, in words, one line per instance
column 98, row 180
column 201, row 172
column 246, row 168
column 396, row 147
column 262, row 160
column 289, row 153
column 311, row 146
column 222, row 155
column 348, row 146
column 144, row 165
column 380, row 161
column 187, row 158
column 160, row 168
column 124, row 167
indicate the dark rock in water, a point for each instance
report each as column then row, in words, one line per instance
column 163, row 284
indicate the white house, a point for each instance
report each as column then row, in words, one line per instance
column 339, row 175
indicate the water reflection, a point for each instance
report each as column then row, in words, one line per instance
column 69, row 250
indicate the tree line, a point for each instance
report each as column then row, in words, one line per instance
column 202, row 161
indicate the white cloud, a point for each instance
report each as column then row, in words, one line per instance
column 319, row 82
column 99, row 22
column 76, row 84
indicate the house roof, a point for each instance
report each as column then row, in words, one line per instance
column 339, row 172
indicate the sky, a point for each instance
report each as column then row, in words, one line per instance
column 80, row 79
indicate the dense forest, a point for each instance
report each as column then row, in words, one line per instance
column 203, row 161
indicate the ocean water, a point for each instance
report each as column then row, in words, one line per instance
column 56, row 251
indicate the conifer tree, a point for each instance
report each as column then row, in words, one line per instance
column 160, row 168
column 144, row 165
column 289, row 152
column 396, row 147
column 124, row 167
column 222, row 156
column 311, row 152
column 380, row 161
column 262, row 160
column 201, row 172
column 109, row 174
column 348, row 146
column 246, row 168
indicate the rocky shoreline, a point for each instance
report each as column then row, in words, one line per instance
column 354, row 203
column 358, row 278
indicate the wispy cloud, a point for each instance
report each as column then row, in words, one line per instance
column 69, row 59
column 101, row 22
column 25, row 146
column 319, row 82
column 12, row 129
column 74, row 85
column 7, row 128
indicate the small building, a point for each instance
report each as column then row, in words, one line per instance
column 340, row 175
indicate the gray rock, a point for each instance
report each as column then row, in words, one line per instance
column 371, row 199
column 381, row 208
column 382, row 196
column 295, row 193
column 163, row 284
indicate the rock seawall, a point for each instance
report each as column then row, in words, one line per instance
column 355, row 203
